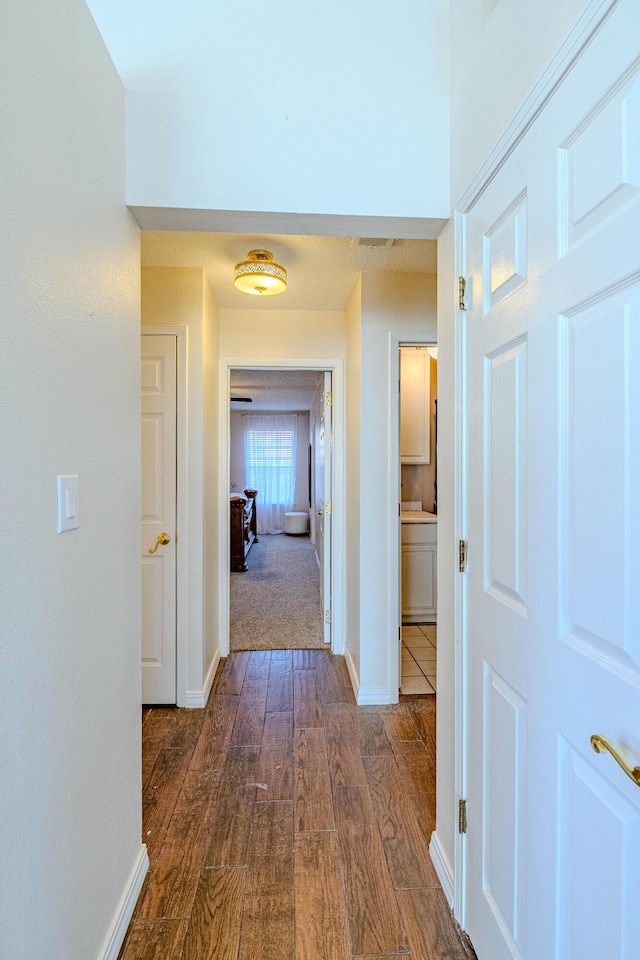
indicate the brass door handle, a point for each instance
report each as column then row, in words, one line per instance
column 318, row 513
column 600, row 744
column 163, row 538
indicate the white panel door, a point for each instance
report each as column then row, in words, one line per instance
column 553, row 425
column 322, row 506
column 158, row 519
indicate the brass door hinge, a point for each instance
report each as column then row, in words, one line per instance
column 462, row 816
column 328, row 507
column 328, row 398
column 463, row 547
column 327, row 616
column 462, row 289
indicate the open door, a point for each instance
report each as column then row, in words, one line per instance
column 322, row 500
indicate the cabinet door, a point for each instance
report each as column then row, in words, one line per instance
column 415, row 399
column 419, row 580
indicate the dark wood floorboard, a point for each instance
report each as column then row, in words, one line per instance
column 283, row 822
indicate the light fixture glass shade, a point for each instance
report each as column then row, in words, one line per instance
column 259, row 275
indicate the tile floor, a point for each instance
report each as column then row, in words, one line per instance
column 419, row 658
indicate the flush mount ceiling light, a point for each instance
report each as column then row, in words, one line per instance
column 258, row 274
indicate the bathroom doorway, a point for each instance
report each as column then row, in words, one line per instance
column 418, row 521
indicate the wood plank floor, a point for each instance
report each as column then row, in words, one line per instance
column 285, row 823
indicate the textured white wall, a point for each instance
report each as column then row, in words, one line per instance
column 499, row 49
column 70, row 790
column 331, row 108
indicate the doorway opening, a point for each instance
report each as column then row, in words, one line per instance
column 418, row 368
column 278, row 451
column 279, row 491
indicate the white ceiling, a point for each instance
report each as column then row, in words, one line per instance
column 322, row 271
column 284, row 390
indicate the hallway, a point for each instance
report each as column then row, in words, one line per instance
column 285, row 823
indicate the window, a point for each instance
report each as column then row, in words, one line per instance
column 270, row 455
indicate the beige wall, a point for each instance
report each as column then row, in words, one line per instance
column 210, row 357
column 70, row 788
column 353, row 318
column 282, row 334
column 181, row 296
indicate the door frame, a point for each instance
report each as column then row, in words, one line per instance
column 181, row 333
column 397, row 340
column 592, row 19
column 338, row 539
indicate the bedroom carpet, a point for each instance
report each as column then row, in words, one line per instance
column 276, row 603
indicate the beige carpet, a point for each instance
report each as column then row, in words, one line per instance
column 276, row 603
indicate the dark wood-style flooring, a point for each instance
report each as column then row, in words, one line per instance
column 285, row 823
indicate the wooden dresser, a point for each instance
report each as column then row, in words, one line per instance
column 243, row 529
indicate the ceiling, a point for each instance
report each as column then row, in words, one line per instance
column 282, row 390
column 322, row 271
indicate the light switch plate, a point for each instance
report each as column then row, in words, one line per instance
column 68, row 503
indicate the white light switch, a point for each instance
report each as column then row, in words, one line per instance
column 68, row 508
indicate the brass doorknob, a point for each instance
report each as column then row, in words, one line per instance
column 163, row 538
column 318, row 513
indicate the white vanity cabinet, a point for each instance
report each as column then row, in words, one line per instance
column 419, row 572
column 415, row 405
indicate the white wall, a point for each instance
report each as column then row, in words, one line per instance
column 499, row 49
column 391, row 302
column 70, row 790
column 334, row 108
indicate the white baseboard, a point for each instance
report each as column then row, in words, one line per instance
column 372, row 696
column 442, row 867
column 197, row 699
column 115, row 937
column 351, row 667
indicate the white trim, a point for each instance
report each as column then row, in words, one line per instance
column 338, row 538
column 197, row 699
column 442, row 867
column 565, row 59
column 558, row 68
column 122, row 918
column 396, row 340
column 353, row 673
column 458, row 898
column 375, row 695
column 181, row 333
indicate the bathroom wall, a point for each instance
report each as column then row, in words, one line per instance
column 237, row 475
column 418, row 479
